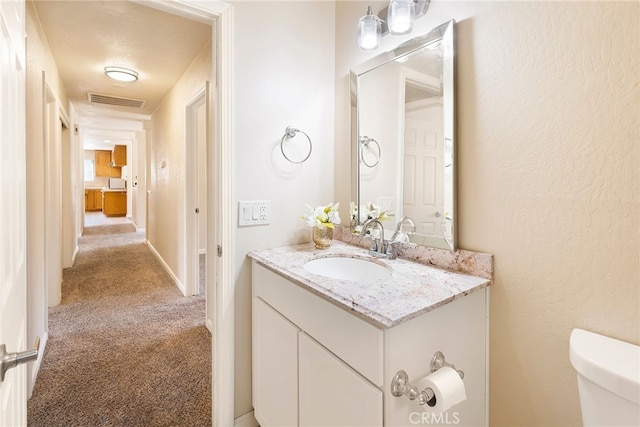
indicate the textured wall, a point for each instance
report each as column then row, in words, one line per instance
column 549, row 160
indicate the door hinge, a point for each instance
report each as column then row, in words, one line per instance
column 219, row 251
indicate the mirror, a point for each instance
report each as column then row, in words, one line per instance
column 403, row 142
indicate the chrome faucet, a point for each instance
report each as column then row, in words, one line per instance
column 380, row 247
column 406, row 219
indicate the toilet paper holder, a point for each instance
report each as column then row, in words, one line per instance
column 400, row 385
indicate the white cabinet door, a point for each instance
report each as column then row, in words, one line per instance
column 275, row 367
column 331, row 393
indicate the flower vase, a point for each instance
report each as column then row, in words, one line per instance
column 322, row 237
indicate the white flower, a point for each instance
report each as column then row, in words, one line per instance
column 322, row 216
column 371, row 211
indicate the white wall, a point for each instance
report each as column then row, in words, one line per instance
column 39, row 59
column 283, row 75
column 548, row 109
column 166, row 225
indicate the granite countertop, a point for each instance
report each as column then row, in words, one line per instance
column 413, row 288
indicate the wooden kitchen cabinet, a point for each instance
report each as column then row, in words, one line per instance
column 114, row 203
column 115, row 172
column 103, row 157
column 92, row 200
column 119, row 155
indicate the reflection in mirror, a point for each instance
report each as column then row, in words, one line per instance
column 403, row 140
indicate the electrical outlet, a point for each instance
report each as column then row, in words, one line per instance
column 263, row 212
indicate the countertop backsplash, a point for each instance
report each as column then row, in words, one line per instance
column 461, row 261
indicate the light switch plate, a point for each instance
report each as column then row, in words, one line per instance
column 254, row 212
column 387, row 204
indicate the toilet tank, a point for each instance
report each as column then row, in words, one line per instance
column 608, row 379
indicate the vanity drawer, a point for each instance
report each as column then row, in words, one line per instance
column 358, row 343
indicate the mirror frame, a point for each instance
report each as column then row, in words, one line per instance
column 444, row 33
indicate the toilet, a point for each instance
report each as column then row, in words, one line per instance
column 608, row 379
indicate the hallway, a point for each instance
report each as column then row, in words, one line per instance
column 125, row 347
column 98, row 218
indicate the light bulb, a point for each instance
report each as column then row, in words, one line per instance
column 400, row 16
column 369, row 31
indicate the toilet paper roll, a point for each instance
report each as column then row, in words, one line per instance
column 448, row 389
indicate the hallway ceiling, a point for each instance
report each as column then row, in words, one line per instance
column 86, row 36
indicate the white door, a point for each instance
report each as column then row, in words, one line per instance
column 13, row 390
column 423, row 170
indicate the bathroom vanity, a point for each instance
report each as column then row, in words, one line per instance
column 326, row 349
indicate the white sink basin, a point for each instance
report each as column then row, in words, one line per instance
column 342, row 268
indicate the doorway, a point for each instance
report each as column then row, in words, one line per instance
column 52, row 197
column 197, row 114
column 218, row 202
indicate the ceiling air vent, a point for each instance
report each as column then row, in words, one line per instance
column 97, row 98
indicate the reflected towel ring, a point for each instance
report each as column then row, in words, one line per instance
column 291, row 132
column 364, row 143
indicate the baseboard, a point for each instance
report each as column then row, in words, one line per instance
column 246, row 420
column 209, row 324
column 75, row 254
column 36, row 366
column 138, row 229
column 166, row 267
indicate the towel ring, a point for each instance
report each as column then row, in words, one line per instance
column 291, row 132
column 364, row 142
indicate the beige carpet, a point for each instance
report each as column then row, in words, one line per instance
column 125, row 347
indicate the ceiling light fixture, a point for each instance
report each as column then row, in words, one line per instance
column 121, row 74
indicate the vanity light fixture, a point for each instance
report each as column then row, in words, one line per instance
column 400, row 16
column 369, row 31
column 121, row 74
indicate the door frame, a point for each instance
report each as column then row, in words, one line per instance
column 219, row 197
column 192, row 190
column 69, row 240
column 52, row 198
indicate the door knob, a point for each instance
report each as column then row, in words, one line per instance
column 11, row 360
